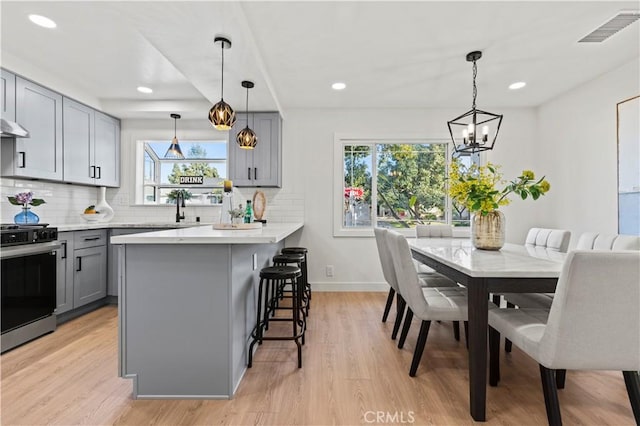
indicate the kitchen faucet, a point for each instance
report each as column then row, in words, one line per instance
column 179, row 200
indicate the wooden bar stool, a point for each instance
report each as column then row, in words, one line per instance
column 269, row 277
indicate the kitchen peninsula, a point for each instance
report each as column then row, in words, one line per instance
column 187, row 303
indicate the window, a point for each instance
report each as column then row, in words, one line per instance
column 395, row 183
column 159, row 177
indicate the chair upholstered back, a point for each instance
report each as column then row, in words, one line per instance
column 594, row 322
column 595, row 241
column 551, row 239
column 434, row 231
column 385, row 258
column 407, row 277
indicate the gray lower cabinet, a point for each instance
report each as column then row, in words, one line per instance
column 7, row 95
column 81, row 269
column 64, row 291
column 112, row 269
column 39, row 110
column 90, row 275
column 261, row 166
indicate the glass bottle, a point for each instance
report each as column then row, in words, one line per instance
column 248, row 212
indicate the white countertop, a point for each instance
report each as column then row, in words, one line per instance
column 110, row 225
column 511, row 261
column 205, row 234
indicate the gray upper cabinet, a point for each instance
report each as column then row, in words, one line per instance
column 7, row 95
column 260, row 166
column 91, row 146
column 78, row 137
column 39, row 110
column 107, row 150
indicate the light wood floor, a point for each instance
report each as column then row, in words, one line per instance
column 351, row 368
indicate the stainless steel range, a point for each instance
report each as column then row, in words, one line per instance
column 28, row 257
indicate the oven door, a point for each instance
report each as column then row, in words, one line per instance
column 28, row 283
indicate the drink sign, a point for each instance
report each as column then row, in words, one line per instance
column 191, row 180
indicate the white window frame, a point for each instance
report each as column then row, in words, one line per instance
column 340, row 140
column 140, row 178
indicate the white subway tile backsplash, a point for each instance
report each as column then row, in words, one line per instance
column 65, row 203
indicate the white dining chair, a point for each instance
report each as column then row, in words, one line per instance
column 582, row 330
column 427, row 304
column 439, row 230
column 388, row 271
column 587, row 241
column 548, row 239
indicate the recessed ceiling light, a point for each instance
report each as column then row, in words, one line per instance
column 143, row 89
column 517, row 85
column 43, row 21
column 338, row 86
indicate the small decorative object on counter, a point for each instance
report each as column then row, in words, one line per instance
column 237, row 214
column 228, row 186
column 259, row 205
column 248, row 213
column 25, row 199
column 102, row 206
column 227, row 206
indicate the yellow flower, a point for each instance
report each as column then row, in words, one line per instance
column 474, row 187
column 528, row 174
column 545, row 186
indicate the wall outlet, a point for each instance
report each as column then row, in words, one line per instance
column 329, row 270
column 254, row 259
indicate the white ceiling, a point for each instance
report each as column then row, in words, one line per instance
column 390, row 54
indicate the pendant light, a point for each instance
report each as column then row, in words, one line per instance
column 174, row 150
column 474, row 121
column 221, row 115
column 247, row 138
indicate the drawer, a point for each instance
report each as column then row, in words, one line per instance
column 92, row 238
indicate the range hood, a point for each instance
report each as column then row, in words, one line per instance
column 10, row 129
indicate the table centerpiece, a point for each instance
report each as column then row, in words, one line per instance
column 475, row 187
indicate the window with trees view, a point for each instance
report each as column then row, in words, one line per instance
column 396, row 185
column 161, row 176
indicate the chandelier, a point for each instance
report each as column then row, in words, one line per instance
column 476, row 130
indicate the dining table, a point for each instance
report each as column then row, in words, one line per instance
column 512, row 269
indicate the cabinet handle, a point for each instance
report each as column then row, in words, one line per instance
column 79, row 264
column 64, row 245
column 255, row 173
column 92, row 239
column 23, row 159
column 92, row 173
column 249, row 173
column 99, row 172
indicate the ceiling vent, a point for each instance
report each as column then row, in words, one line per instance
column 612, row 26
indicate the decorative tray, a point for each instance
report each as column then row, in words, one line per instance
column 237, row 226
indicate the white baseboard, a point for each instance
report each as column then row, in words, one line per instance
column 351, row 286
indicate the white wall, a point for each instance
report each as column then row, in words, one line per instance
column 577, row 141
column 308, row 148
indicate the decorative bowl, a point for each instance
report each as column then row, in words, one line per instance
column 95, row 217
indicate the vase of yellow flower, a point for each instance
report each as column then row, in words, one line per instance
column 474, row 188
